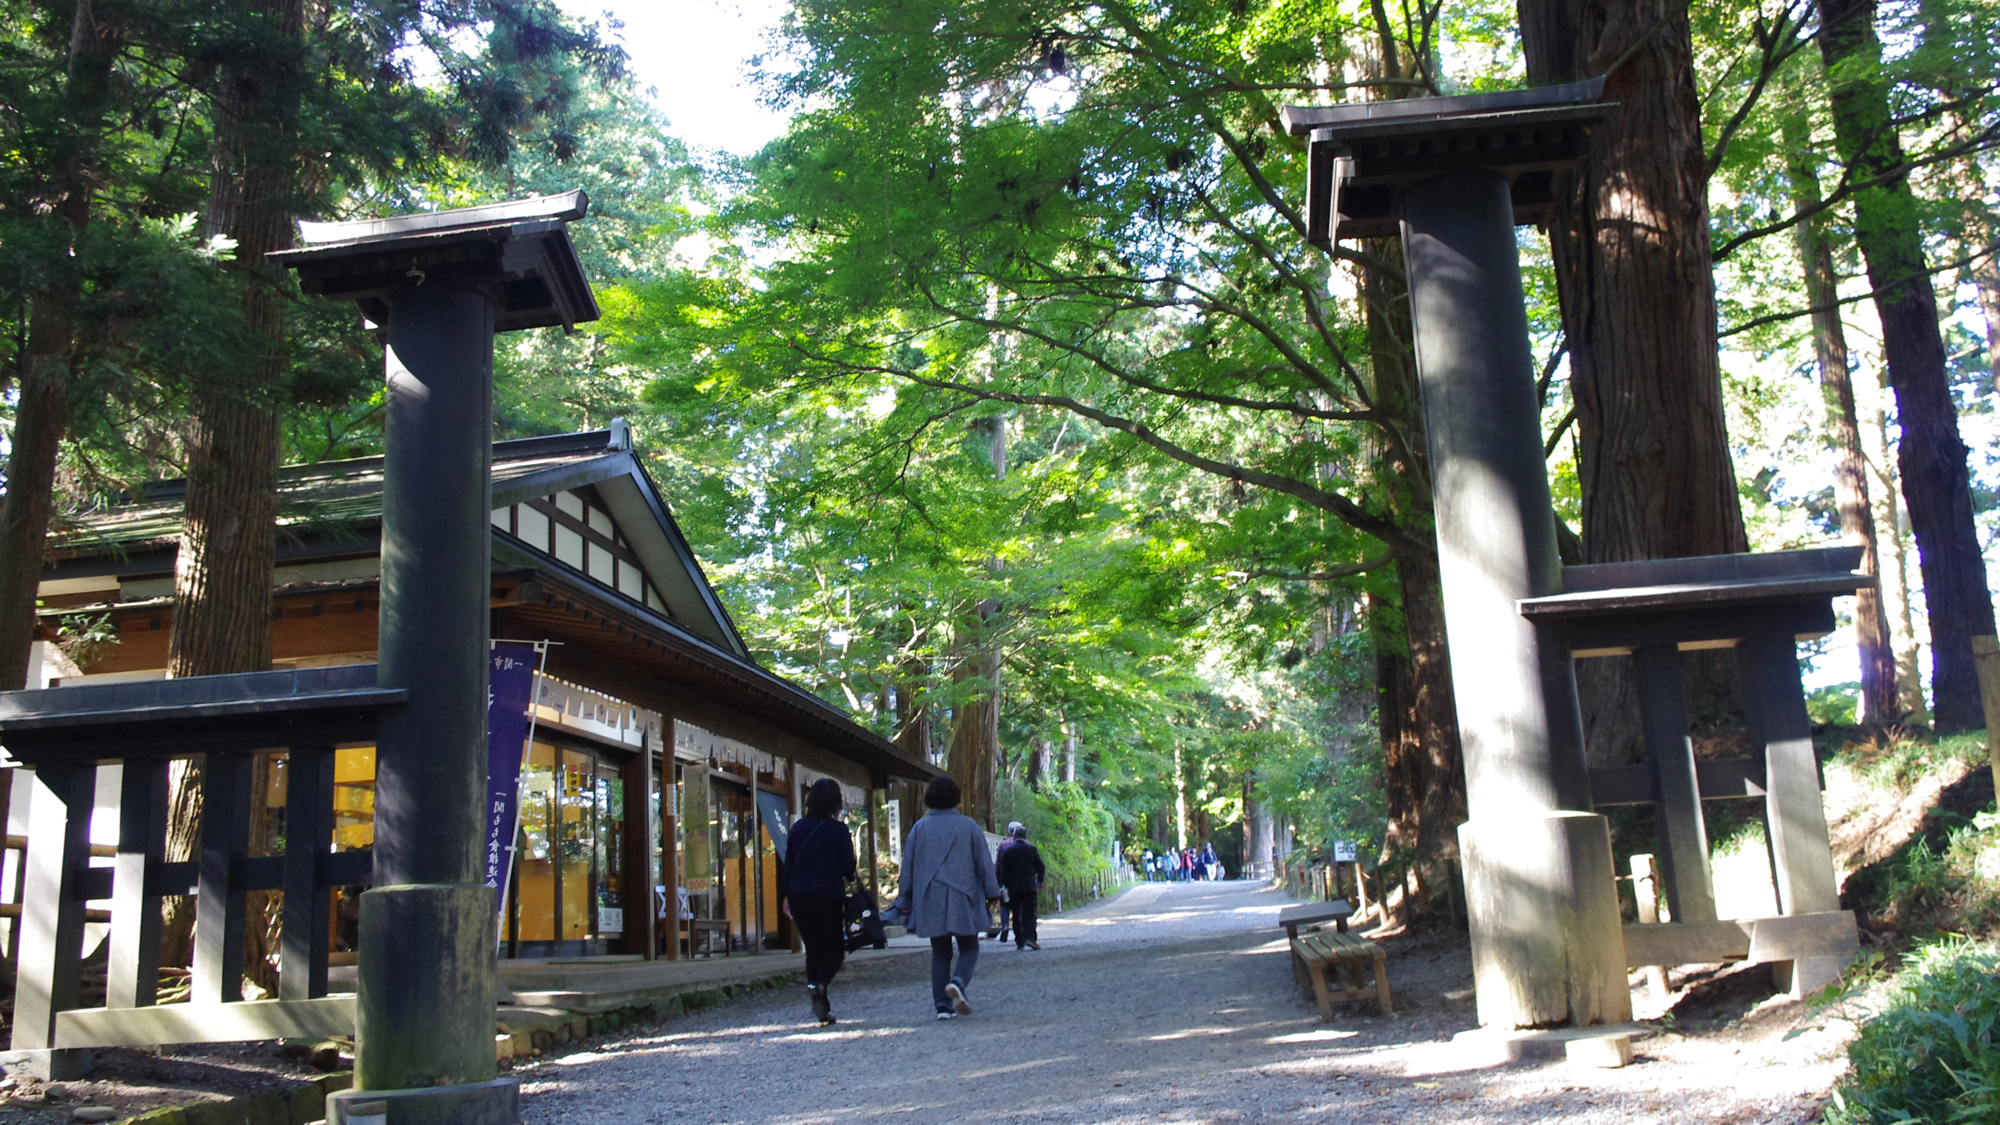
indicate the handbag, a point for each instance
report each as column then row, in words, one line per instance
column 864, row 922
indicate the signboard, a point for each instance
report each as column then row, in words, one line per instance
column 610, row 920
column 696, row 861
column 777, row 820
column 1343, row 851
column 894, row 809
column 510, row 687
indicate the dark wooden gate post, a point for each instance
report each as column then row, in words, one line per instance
column 49, row 973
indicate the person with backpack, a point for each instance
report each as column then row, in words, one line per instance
column 1021, row 874
column 999, row 855
column 947, row 890
column 812, row 889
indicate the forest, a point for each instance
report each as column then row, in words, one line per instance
column 1002, row 396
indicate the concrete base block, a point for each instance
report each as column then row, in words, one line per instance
column 1605, row 1052
column 424, row 1009
column 61, row 1065
column 1489, row 1046
column 1547, row 945
column 1807, row 975
column 479, row 1103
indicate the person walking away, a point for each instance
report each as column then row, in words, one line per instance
column 1210, row 862
column 1021, row 875
column 812, row 889
column 948, row 889
column 1014, row 828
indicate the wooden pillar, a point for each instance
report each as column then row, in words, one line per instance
column 51, row 964
column 1801, row 857
column 637, row 774
column 308, row 904
column 878, row 791
column 133, row 975
column 670, row 859
column 1683, row 833
column 1986, row 654
column 218, row 911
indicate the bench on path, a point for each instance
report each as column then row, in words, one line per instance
column 1314, row 954
column 1313, row 914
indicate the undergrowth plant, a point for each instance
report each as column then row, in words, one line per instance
column 1931, row 1053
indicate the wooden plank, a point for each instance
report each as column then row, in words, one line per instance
column 133, row 974
column 1775, row 707
column 219, row 907
column 1720, row 779
column 1683, row 834
column 49, row 973
column 1745, row 567
column 1686, row 628
column 308, row 903
column 1686, row 943
column 1830, row 933
column 206, row 1023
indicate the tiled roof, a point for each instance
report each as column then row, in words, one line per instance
column 323, row 497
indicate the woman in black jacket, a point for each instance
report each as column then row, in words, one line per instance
column 819, row 862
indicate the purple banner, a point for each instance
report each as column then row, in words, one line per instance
column 510, row 686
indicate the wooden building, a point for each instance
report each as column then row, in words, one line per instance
column 664, row 763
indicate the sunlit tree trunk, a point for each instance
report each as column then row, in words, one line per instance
column 42, row 410
column 1930, row 454
column 1630, row 237
column 222, row 574
column 1843, row 434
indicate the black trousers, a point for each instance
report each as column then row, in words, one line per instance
column 822, row 923
column 1023, row 906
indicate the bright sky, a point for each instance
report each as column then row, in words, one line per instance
column 694, row 54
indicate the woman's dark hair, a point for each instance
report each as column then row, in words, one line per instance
column 941, row 793
column 823, row 798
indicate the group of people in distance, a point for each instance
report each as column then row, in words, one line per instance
column 950, row 886
column 1180, row 865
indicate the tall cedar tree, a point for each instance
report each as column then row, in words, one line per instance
column 1930, row 454
column 68, row 144
column 1630, row 238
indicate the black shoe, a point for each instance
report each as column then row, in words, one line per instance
column 822, row 1009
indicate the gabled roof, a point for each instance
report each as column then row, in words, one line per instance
column 335, row 507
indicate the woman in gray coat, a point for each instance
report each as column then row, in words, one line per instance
column 948, row 889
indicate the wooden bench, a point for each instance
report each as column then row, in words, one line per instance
column 713, row 928
column 1312, row 914
column 1313, row 954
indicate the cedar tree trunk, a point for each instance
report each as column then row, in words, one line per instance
column 1930, row 453
column 1630, row 237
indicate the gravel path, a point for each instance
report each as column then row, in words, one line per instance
column 1172, row 1003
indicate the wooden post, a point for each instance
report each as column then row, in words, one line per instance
column 1676, row 794
column 219, row 909
column 51, row 966
column 636, row 774
column 308, row 905
column 133, row 975
column 1801, row 856
column 1646, row 893
column 1986, row 652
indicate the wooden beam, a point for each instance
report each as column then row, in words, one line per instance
column 133, row 974
column 206, row 1023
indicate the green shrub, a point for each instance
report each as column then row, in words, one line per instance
column 1932, row 1053
column 1071, row 829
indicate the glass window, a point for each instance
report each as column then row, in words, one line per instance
column 534, row 878
column 575, row 842
column 569, row 546
column 534, row 527
column 630, row 583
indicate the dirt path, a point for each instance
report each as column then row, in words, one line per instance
column 1172, row 1003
